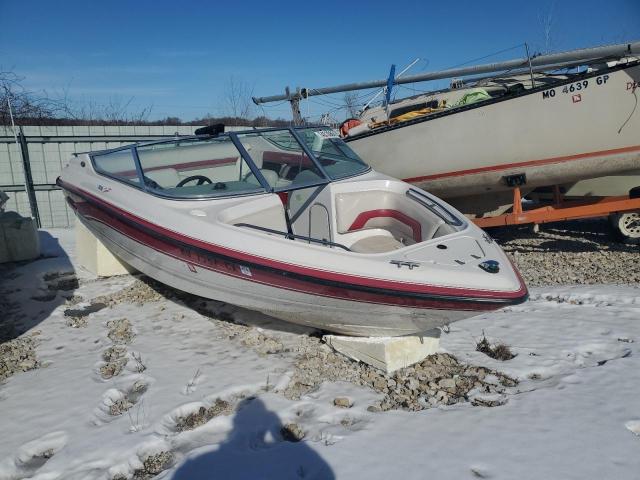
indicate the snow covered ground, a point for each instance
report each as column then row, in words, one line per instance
column 115, row 399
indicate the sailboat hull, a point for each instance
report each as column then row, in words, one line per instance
column 584, row 128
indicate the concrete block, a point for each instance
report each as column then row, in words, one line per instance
column 93, row 256
column 18, row 238
column 386, row 353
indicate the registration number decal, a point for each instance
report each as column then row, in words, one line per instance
column 574, row 87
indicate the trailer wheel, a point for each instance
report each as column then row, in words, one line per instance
column 626, row 227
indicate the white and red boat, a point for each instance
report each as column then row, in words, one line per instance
column 290, row 222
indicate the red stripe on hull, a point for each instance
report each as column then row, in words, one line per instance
column 530, row 163
column 273, row 279
column 321, row 275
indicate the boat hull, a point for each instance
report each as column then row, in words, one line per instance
column 337, row 308
column 549, row 135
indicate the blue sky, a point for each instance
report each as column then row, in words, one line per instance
column 177, row 57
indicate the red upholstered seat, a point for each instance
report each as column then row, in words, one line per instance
column 362, row 219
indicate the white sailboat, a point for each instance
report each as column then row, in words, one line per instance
column 528, row 127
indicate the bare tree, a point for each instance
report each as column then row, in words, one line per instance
column 119, row 109
column 237, row 99
column 351, row 104
column 42, row 108
column 23, row 102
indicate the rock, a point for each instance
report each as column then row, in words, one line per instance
column 343, row 402
column 488, row 402
column 379, row 384
column 440, row 394
column 412, row 383
column 507, row 381
column 292, row 432
column 119, row 406
column 114, row 353
column 448, row 383
column 113, row 368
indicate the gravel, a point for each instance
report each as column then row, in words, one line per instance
column 120, row 331
column 203, row 415
column 113, row 353
column 154, row 464
column 261, row 343
column 18, row 355
column 139, row 293
column 64, row 281
column 113, row 368
column 568, row 253
column 438, row 380
column 128, row 399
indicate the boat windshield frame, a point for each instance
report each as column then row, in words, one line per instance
column 262, row 188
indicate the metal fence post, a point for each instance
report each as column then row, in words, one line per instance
column 28, row 178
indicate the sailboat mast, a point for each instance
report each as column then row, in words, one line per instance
column 581, row 56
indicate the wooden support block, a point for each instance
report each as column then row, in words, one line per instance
column 386, row 353
column 93, row 256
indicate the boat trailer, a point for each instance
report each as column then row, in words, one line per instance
column 560, row 209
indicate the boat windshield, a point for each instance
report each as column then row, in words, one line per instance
column 281, row 160
column 335, row 156
column 233, row 164
column 196, row 168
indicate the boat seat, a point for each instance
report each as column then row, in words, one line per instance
column 392, row 211
column 270, row 176
column 165, row 177
column 376, row 244
column 409, row 227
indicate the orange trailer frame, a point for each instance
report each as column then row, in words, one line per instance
column 559, row 210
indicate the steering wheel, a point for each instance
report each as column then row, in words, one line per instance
column 200, row 178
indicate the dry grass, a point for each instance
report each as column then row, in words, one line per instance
column 499, row 351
